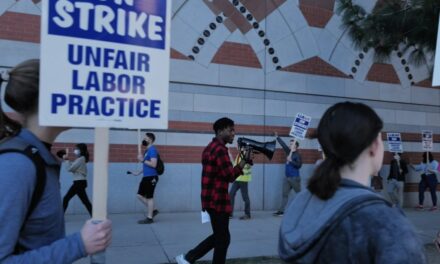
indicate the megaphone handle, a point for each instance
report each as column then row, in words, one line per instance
column 246, row 155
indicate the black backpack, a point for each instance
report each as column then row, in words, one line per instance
column 14, row 144
column 160, row 167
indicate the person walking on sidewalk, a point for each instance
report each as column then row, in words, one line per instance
column 241, row 183
column 150, row 178
column 292, row 179
column 429, row 169
column 217, row 173
column 79, row 170
column 338, row 218
column 32, row 228
column 396, row 179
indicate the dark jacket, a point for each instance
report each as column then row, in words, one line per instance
column 355, row 226
column 292, row 167
column 395, row 172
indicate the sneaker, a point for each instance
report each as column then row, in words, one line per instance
column 278, row 213
column 181, row 259
column 245, row 217
column 146, row 221
column 155, row 212
column 434, row 208
column 419, row 207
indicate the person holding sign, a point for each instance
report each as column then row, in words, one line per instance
column 428, row 167
column 396, row 179
column 292, row 179
column 79, row 169
column 339, row 218
column 217, row 173
column 31, row 212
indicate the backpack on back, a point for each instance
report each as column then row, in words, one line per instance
column 16, row 145
column 160, row 167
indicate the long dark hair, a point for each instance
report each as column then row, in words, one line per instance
column 83, row 151
column 21, row 94
column 344, row 131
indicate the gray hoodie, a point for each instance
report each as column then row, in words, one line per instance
column 355, row 226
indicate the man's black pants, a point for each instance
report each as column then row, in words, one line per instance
column 219, row 240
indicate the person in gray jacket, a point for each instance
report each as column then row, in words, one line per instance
column 292, row 179
column 38, row 236
column 79, row 170
column 338, row 218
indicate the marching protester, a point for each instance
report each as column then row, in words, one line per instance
column 396, row 179
column 150, row 177
column 31, row 212
column 217, row 173
column 79, row 170
column 338, row 218
column 292, row 179
column 241, row 183
column 428, row 179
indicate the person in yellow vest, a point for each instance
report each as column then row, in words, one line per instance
column 242, row 183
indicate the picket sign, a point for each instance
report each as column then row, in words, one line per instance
column 104, row 64
column 394, row 141
column 427, row 142
column 300, row 126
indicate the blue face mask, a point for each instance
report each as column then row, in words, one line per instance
column 77, row 152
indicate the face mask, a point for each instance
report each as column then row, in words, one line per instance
column 144, row 143
column 77, row 152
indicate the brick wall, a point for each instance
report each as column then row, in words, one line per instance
column 20, row 27
column 317, row 12
column 236, row 54
column 317, row 66
column 380, row 72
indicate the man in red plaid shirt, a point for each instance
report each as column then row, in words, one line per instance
column 217, row 173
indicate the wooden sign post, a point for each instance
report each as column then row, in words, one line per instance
column 100, row 173
column 100, row 182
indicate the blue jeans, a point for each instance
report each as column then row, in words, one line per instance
column 428, row 181
column 243, row 186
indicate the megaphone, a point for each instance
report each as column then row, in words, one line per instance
column 267, row 148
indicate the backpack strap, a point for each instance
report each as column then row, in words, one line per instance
column 12, row 146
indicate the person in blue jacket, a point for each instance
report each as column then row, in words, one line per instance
column 428, row 179
column 338, row 218
column 39, row 237
column 292, row 179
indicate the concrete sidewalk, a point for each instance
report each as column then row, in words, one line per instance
column 176, row 233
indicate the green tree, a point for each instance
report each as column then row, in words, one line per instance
column 408, row 26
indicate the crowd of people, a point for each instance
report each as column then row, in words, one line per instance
column 336, row 216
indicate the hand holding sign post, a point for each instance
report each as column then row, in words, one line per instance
column 427, row 143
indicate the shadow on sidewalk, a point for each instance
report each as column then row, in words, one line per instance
column 432, row 255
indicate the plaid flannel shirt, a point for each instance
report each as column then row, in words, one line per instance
column 217, row 173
